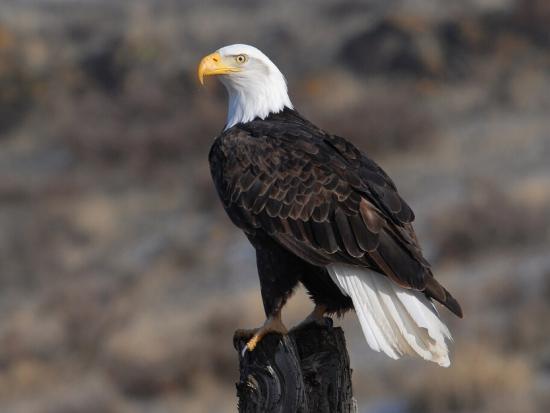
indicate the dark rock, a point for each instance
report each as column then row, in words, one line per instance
column 104, row 66
column 384, row 48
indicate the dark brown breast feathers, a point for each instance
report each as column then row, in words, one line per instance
column 320, row 197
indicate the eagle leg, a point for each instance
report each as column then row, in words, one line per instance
column 317, row 316
column 273, row 324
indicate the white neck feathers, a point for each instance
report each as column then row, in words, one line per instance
column 256, row 92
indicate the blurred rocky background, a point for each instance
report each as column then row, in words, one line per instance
column 121, row 279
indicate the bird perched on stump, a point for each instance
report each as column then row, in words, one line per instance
column 320, row 212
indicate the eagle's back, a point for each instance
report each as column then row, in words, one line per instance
column 320, row 197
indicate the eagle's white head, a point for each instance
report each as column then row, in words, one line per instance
column 256, row 87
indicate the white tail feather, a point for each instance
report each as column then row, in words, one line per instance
column 394, row 320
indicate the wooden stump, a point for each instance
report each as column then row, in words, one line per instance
column 306, row 371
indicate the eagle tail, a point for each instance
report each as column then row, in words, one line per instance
column 394, row 320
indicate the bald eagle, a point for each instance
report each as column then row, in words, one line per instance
column 318, row 211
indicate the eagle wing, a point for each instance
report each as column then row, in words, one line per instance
column 321, row 198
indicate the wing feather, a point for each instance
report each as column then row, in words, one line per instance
column 319, row 196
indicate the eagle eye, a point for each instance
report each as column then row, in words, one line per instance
column 241, row 58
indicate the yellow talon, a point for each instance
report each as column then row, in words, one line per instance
column 272, row 325
column 253, row 342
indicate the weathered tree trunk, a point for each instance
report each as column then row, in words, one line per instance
column 306, row 371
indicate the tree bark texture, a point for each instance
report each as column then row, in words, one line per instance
column 307, row 371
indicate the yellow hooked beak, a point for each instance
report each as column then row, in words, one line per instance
column 214, row 64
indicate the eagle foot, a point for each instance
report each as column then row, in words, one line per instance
column 317, row 316
column 273, row 324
